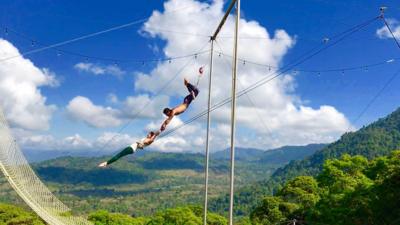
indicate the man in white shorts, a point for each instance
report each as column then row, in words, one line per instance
column 151, row 136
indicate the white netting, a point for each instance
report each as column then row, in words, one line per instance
column 26, row 183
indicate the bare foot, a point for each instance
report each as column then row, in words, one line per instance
column 185, row 81
column 102, row 165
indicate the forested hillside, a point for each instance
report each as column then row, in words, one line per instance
column 377, row 139
column 350, row 190
column 13, row 215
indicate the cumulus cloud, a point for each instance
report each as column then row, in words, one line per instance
column 49, row 142
column 98, row 69
column 106, row 141
column 384, row 32
column 132, row 107
column 81, row 108
column 21, row 99
column 143, row 106
column 112, row 141
column 188, row 138
column 276, row 103
column 275, row 116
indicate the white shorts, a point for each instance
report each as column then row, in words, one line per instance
column 135, row 146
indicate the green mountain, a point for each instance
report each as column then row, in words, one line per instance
column 138, row 184
column 377, row 139
column 279, row 156
column 142, row 183
column 349, row 190
column 286, row 154
column 248, row 154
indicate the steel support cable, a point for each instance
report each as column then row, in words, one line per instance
column 328, row 39
column 390, row 30
column 348, row 68
column 159, row 91
column 312, row 53
column 308, row 55
column 114, row 60
column 374, row 98
column 87, row 36
column 262, row 82
column 144, row 61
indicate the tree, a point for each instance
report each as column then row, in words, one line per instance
column 272, row 210
column 103, row 217
column 350, row 190
column 302, row 190
column 14, row 215
column 177, row 216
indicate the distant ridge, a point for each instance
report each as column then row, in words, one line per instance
column 280, row 155
column 247, row 154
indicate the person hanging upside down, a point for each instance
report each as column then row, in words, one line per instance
column 170, row 113
column 148, row 140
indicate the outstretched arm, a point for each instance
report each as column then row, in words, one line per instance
column 155, row 135
column 165, row 123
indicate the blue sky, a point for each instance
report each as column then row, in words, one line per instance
column 305, row 23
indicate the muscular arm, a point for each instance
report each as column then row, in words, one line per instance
column 155, row 135
column 166, row 122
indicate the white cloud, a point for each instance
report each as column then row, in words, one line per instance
column 75, row 142
column 98, row 69
column 112, row 141
column 285, row 114
column 29, row 140
column 276, row 103
column 143, row 106
column 21, row 99
column 384, row 32
column 81, row 108
column 42, row 142
column 131, row 108
column 188, row 138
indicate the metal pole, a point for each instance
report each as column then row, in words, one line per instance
column 208, row 135
column 214, row 36
column 234, row 72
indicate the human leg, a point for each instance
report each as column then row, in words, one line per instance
column 126, row 151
